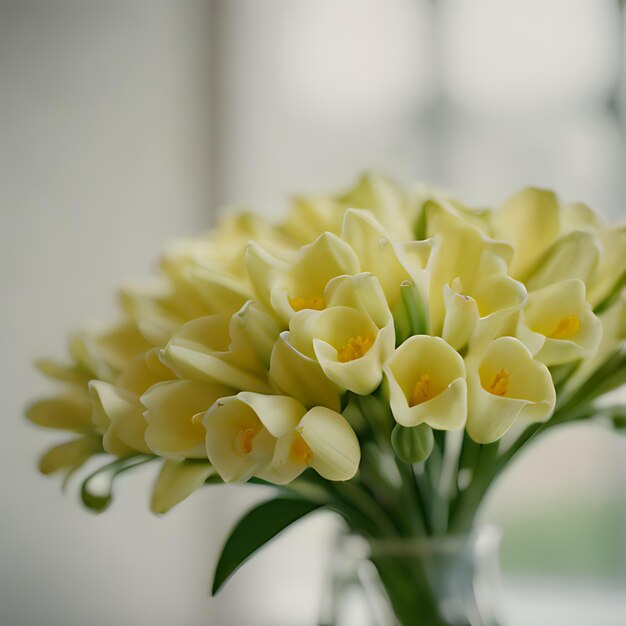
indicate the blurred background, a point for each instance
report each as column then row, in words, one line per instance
column 127, row 123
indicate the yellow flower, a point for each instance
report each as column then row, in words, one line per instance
column 386, row 200
column 298, row 283
column 531, row 221
column 104, row 352
column 118, row 412
column 69, row 410
column 613, row 322
column 574, row 255
column 96, row 353
column 174, row 412
column 275, row 438
column 184, row 291
column 311, row 216
column 460, row 252
column 506, row 384
column 322, row 440
column 222, row 247
column 160, row 307
column 426, row 196
column 119, row 415
column 376, row 251
column 610, row 273
column 301, row 377
column 241, row 435
column 580, row 217
column 352, row 337
column 557, row 324
column 229, row 351
column 486, row 309
column 425, row 383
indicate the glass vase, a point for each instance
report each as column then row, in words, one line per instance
column 427, row 581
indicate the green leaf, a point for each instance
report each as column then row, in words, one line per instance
column 414, row 444
column 96, row 492
column 256, row 528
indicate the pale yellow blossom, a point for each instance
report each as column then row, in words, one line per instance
column 506, row 384
column 574, row 255
column 376, row 251
column 118, row 412
column 460, row 252
column 242, row 431
column 311, row 216
column 425, row 383
column 557, row 324
column 323, row 440
column 230, row 351
column 289, row 286
column 352, row 337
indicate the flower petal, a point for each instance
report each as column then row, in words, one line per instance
column 279, row 414
column 335, row 447
column 573, row 256
column 301, row 377
column 70, row 455
column 201, row 350
column 69, row 411
column 375, row 251
column 124, row 413
column 170, row 407
column 610, row 270
column 177, row 480
column 226, row 423
column 545, row 313
column 530, row 220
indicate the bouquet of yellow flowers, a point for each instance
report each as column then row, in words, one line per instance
column 380, row 353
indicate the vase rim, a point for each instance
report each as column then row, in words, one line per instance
column 481, row 537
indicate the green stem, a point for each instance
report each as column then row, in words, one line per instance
column 409, row 591
column 354, row 492
column 422, row 491
column 465, row 507
column 410, row 500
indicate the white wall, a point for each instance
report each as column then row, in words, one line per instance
column 103, row 158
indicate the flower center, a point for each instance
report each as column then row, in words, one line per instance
column 354, row 349
column 566, row 328
column 500, row 383
column 423, row 390
column 244, row 440
column 316, row 303
column 300, row 451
